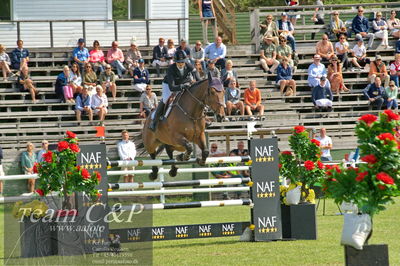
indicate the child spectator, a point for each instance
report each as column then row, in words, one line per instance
column 360, row 54
column 199, row 68
column 252, row 99
column 232, row 98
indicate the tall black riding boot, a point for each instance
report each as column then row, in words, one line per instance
column 157, row 114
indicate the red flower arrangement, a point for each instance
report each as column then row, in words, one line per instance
column 391, row 116
column 309, row 165
column 370, row 159
column 385, row 178
column 70, row 135
column 368, row 119
column 360, row 176
column 48, row 157
column 299, row 129
column 62, row 145
column 386, row 137
column 320, row 165
column 316, row 142
column 74, row 147
column 287, row 153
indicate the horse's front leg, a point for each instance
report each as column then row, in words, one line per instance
column 188, row 147
column 154, row 174
column 201, row 142
column 174, row 170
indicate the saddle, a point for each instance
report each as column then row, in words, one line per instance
column 170, row 103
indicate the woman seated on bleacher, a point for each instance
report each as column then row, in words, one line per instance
column 381, row 30
column 228, row 73
column 232, row 98
column 342, row 48
column 170, row 51
column 337, row 26
column 25, row 84
column 96, row 57
column 5, row 62
column 284, row 50
column 76, row 78
column 64, row 81
column 199, row 68
column 132, row 57
column 90, row 79
column 394, row 24
column 335, row 76
column 284, row 77
column 99, row 103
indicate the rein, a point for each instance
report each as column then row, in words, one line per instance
column 201, row 103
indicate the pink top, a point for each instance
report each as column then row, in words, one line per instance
column 96, row 56
column 113, row 55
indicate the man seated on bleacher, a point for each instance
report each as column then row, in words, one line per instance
column 360, row 27
column 81, row 54
column 160, row 54
column 83, row 105
column 19, row 56
column 322, row 96
column 374, row 93
column 316, row 71
column 216, row 52
column 252, row 100
column 337, row 26
column 286, row 29
column 107, row 81
column 115, row 57
column 215, row 73
column 141, row 77
column 184, row 47
column 325, row 49
column 232, row 98
column 268, row 55
column 377, row 68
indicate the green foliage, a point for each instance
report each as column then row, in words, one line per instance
column 120, row 9
column 59, row 172
column 375, row 183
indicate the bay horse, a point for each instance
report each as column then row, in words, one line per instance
column 185, row 124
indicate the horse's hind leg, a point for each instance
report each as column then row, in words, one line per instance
column 170, row 152
column 154, row 174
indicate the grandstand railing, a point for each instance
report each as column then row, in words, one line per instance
column 306, row 12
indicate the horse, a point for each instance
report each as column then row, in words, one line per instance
column 185, row 124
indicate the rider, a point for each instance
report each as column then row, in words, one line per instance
column 180, row 76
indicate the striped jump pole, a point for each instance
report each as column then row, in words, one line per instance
column 199, row 182
column 174, row 191
column 161, row 162
column 183, row 205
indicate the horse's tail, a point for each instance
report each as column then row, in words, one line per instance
column 141, row 149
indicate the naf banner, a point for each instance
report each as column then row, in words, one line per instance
column 265, row 190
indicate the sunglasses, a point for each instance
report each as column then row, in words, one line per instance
column 148, row 89
column 213, row 147
column 343, row 38
column 88, row 67
column 108, row 67
column 283, row 41
column 334, row 60
column 360, row 11
column 324, row 39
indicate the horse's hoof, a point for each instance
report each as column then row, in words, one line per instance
column 153, row 176
column 201, row 162
column 179, row 157
column 173, row 171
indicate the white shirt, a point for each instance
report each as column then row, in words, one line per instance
column 341, row 46
column 97, row 101
column 126, row 150
column 359, row 50
column 325, row 142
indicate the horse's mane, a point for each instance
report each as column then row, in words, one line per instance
column 197, row 83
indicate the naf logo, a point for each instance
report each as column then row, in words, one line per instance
column 181, row 231
column 205, row 230
column 158, row 233
column 265, row 189
column 228, row 229
column 264, row 153
column 267, row 224
column 133, row 234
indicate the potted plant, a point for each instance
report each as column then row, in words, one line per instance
column 60, row 175
column 370, row 186
column 304, row 169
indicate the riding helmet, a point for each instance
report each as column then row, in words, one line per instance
column 180, row 56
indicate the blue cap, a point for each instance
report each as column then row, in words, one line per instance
column 81, row 40
column 141, row 60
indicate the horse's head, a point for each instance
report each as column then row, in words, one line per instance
column 216, row 97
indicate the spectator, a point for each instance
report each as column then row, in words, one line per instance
column 28, row 159
column 25, row 84
column 148, row 102
column 391, row 94
column 270, row 29
column 292, row 13
column 63, row 79
column 232, row 98
column 83, row 105
column 127, row 152
column 207, row 14
column 322, row 96
column 394, row 24
column 96, row 58
column 171, row 51
column 90, row 79
column 318, row 16
column 395, row 70
column 81, row 54
column 360, row 26
column 284, row 50
column 268, row 55
column 19, row 56
column 240, row 150
column 199, row 68
column 216, row 52
column 99, row 103
column 342, row 49
column 315, row 71
column 76, row 78
column 252, row 99
column 337, row 26
column 335, row 77
column 229, row 73
column 160, row 54
column 215, row 152
column 45, row 148
column 184, row 47
column 132, row 58
column 286, row 29
column 326, row 145
column 381, row 30
column 141, row 77
column 378, row 68
column 325, row 49
column 4, row 62
column 284, row 77
column 107, row 81
column 115, row 57
column 67, row 88
column 374, row 93
column 197, row 53
column 215, row 73
column 360, row 54
column 1, row 171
